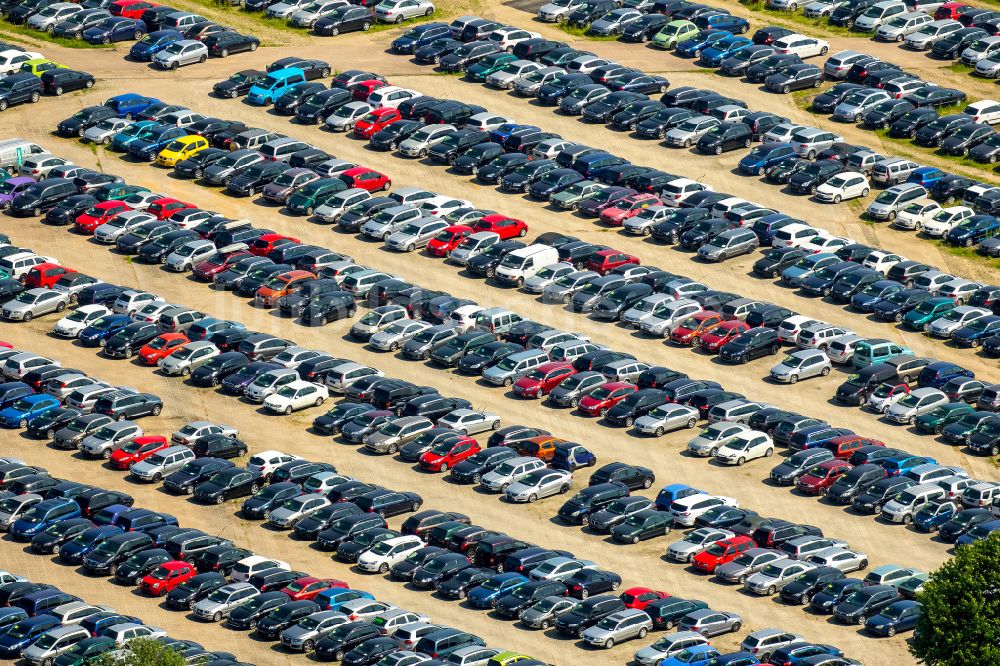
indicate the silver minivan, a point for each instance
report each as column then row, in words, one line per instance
column 509, row 472
column 894, row 199
column 515, row 366
column 221, row 602
column 415, row 234
column 160, row 464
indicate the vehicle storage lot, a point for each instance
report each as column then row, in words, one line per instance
column 639, row 564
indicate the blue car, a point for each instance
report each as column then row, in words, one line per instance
column 868, row 298
column 27, row 409
column 736, row 659
column 143, row 520
column 765, row 227
column 816, row 437
column 927, row 176
column 795, row 655
column 939, row 373
column 696, row 655
column 692, row 48
column 973, row 334
column 98, row 622
column 979, row 532
column 97, row 333
column 336, row 597
column 899, row 465
column 420, row 35
column 22, row 634
column 723, row 21
column 974, row 230
column 152, row 141
column 673, row 492
column 129, row 105
column 110, row 515
column 121, row 140
column 153, row 43
column 11, row 392
column 115, row 29
column 761, row 158
column 486, row 595
column 571, row 456
column 933, row 515
column 42, row 516
column 75, row 550
column 103, row 293
column 900, row 616
column 505, row 131
column 10, row 615
column 724, row 48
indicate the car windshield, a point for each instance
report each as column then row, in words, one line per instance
column 10, row 505
column 772, row 571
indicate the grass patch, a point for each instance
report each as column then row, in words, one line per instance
column 960, row 68
column 24, row 34
column 817, row 27
column 582, row 33
column 378, row 26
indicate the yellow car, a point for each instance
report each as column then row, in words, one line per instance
column 38, row 65
column 508, row 659
column 181, row 149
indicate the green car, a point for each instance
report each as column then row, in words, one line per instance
column 86, row 652
column 935, row 420
column 674, row 33
column 575, row 193
column 491, row 63
column 961, row 430
column 920, row 317
column 310, row 197
column 117, row 191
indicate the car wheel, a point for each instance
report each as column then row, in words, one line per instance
column 742, row 461
column 532, row 498
column 771, row 590
column 718, row 150
column 793, row 379
column 411, row 247
column 584, row 593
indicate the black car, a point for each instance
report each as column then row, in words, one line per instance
column 84, row 119
column 457, row 585
column 936, row 131
column 802, row 589
column 486, row 262
column 248, row 616
column 755, row 343
column 966, row 138
column 222, row 44
column 238, row 83
column 887, row 112
column 55, row 535
column 274, row 579
column 193, row 590
column 726, row 137
column 312, row 69
column 228, row 484
column 775, row 260
column 335, row 645
column 135, row 568
column 794, row 77
column 46, row 425
column 389, row 502
column 309, row 527
column 758, row 71
column 193, row 473
column 126, row 342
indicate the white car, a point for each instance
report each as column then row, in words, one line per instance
column 846, row 185
column 947, row 219
column 391, row 96
column 558, row 10
column 687, row 509
column 295, row 396
column 881, row 261
column 85, row 315
column 103, row 131
column 266, row 462
column 441, row 204
column 468, row 421
column 383, row 555
column 916, row 215
column 253, row 564
column 801, row 45
column 823, row 242
column 844, row 559
column 707, row 443
column 509, row 37
column 12, row 59
column 745, row 446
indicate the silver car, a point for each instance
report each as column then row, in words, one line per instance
column 285, row 9
column 764, row 642
column 291, row 511
column 221, row 602
column 394, row 335
column 854, row 106
column 558, row 10
column 963, row 315
column 688, row 132
column 307, row 15
column 391, row 436
column 510, row 471
column 618, row 628
column 666, row 418
column 562, row 289
column 415, row 234
column 46, row 19
column 107, row 438
column 469, row 421
column 668, row 646
column 614, row 22
column 915, row 403
column 537, row 283
column 333, row 208
column 512, row 72
column 344, row 118
column 545, row 612
column 12, row 508
column 421, row 141
column 121, row 224
column 395, row 11
column 186, row 256
column 189, row 358
column 708, row 622
column 302, row 637
column 192, row 431
column 844, row 559
column 695, row 542
column 183, row 52
column 391, row 219
column 924, row 38
column 560, row 568
column 708, row 442
column 643, row 223
column 103, row 131
column 747, row 564
column 538, row 484
column 569, row 392
column 529, row 85
column 666, row 315
column 34, row 303
column 775, row 576
column 801, row 364
column 53, row 643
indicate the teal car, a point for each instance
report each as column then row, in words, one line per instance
column 920, row 317
column 936, row 420
column 575, row 193
column 488, row 65
column 120, row 142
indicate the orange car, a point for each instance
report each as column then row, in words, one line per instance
column 162, row 346
column 281, row 285
column 695, row 326
column 543, row 446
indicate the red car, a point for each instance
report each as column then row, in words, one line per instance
column 721, row 552
column 543, row 379
column 822, row 476
column 137, row 450
column 447, row 240
column 166, row 577
column 628, row 207
column 162, row 346
column 307, row 587
column 45, row 275
column 366, row 179
column 221, row 261
column 951, row 10
column 605, row 396
column 722, row 334
column 98, row 214
column 132, row 9
column 363, row 89
column 845, row 445
column 264, row 244
column 695, row 326
column 608, row 260
column 376, row 120
column 640, row 597
column 444, row 455
column 501, row 225
column 167, row 206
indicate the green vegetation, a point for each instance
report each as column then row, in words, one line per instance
column 961, row 609
column 142, row 652
column 25, row 35
column 818, row 27
column 582, row 32
column 960, row 68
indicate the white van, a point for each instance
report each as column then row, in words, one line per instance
column 521, row 264
column 13, row 152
